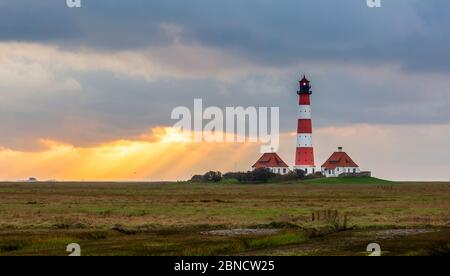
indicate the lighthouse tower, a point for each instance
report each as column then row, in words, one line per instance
column 304, row 156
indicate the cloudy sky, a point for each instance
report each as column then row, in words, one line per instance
column 87, row 93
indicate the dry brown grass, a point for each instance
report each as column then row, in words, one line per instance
column 103, row 205
column 168, row 218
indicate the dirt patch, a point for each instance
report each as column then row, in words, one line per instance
column 393, row 242
column 241, row 232
column 394, row 233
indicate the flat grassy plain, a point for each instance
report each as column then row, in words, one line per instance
column 176, row 218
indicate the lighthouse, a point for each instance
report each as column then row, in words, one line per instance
column 304, row 155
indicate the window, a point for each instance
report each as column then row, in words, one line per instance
column 284, row 170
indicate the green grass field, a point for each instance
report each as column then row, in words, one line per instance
column 175, row 218
column 348, row 180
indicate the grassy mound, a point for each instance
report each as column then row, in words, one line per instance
column 348, row 180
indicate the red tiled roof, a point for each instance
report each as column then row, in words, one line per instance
column 339, row 159
column 269, row 160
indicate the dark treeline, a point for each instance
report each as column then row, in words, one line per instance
column 256, row 176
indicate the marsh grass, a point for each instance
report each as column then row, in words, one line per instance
column 14, row 245
column 276, row 240
column 165, row 218
column 243, row 244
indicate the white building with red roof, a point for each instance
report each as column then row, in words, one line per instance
column 339, row 163
column 272, row 162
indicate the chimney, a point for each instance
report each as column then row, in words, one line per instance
column 339, row 149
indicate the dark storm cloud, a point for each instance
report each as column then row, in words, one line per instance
column 112, row 107
column 413, row 33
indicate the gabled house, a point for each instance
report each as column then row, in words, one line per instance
column 339, row 163
column 273, row 162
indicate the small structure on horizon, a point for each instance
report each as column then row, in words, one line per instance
column 339, row 164
column 272, row 162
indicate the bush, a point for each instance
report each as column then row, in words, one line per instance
column 299, row 175
column 260, row 175
column 212, row 177
column 208, row 177
column 291, row 176
column 197, row 178
column 230, row 181
column 319, row 175
column 239, row 176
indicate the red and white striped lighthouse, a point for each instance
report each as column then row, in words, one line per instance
column 304, row 156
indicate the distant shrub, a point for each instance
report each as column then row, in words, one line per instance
column 212, row 177
column 241, row 177
column 197, row 178
column 208, row 177
column 260, row 175
column 319, row 175
column 230, row 180
column 291, row 176
column 300, row 174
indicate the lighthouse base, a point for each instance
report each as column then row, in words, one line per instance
column 307, row 169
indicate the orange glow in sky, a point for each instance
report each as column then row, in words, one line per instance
column 166, row 155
